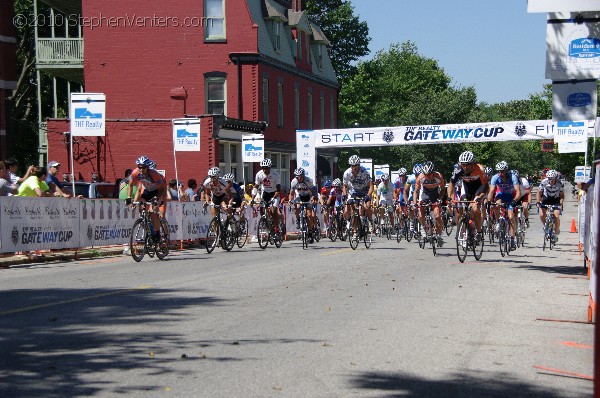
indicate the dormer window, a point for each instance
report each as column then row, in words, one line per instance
column 299, row 45
column 319, row 56
column 277, row 32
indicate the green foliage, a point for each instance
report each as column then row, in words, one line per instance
column 348, row 35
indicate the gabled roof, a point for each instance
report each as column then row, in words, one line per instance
column 317, row 34
column 272, row 9
column 298, row 19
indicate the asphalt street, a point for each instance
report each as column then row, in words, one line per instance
column 328, row 321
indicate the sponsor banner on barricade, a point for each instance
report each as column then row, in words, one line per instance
column 195, row 220
column 105, row 222
column 39, row 223
column 591, row 238
column 290, row 220
column 174, row 216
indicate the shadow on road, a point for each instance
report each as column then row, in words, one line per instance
column 558, row 269
column 469, row 384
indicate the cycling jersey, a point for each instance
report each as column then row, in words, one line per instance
column 429, row 186
column 358, row 183
column 235, row 190
column 337, row 193
column 524, row 187
column 385, row 193
column 411, row 180
column 267, row 183
column 506, row 186
column 151, row 181
column 471, row 182
column 551, row 191
column 217, row 187
column 303, row 189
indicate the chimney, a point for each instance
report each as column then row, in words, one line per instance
column 297, row 5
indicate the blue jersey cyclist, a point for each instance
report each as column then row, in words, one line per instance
column 236, row 194
column 302, row 190
column 504, row 188
column 336, row 194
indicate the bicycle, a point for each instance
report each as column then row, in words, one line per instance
column 447, row 219
column 549, row 235
column 141, row 241
column 466, row 235
column 335, row 226
column 429, row 226
column 241, row 229
column 502, row 230
column 266, row 228
column 384, row 227
column 521, row 226
column 489, row 223
column 401, row 223
column 220, row 231
column 359, row 226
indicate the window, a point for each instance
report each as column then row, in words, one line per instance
column 280, row 105
column 331, row 113
column 266, row 100
column 214, row 13
column 282, row 167
column 319, row 56
column 322, row 106
column 277, row 31
column 215, row 96
column 299, row 45
column 310, row 114
column 229, row 153
column 297, row 108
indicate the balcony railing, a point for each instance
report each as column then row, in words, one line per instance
column 60, row 51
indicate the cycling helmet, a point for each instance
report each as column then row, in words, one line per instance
column 214, row 172
column 337, row 183
column 502, row 166
column 402, row 171
column 515, row 172
column 417, row 169
column 265, row 163
column 327, row 183
column 142, row 161
column 488, row 170
column 466, row 157
column 229, row 177
column 299, row 171
column 354, row 160
column 151, row 164
column 428, row 167
column 551, row 174
column 385, row 177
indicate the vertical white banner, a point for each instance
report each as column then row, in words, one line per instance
column 306, row 156
column 368, row 165
column 574, row 100
column 88, row 114
column 381, row 169
column 186, row 134
column 253, row 148
column 571, row 131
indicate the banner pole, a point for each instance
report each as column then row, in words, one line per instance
column 175, row 161
column 72, row 164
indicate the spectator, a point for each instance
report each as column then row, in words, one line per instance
column 191, row 190
column 56, row 187
column 175, row 190
column 35, row 185
column 6, row 187
column 124, row 184
column 11, row 169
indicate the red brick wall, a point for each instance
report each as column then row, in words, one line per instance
column 124, row 143
column 8, row 64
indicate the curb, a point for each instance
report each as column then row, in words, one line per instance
column 21, row 259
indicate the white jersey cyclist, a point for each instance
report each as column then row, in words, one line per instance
column 524, row 186
column 304, row 189
column 217, row 187
column 551, row 191
column 385, row 194
column 357, row 184
column 267, row 183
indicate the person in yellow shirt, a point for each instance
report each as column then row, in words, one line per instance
column 35, row 185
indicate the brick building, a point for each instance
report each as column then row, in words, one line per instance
column 8, row 66
column 242, row 66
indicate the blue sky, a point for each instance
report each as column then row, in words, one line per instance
column 494, row 46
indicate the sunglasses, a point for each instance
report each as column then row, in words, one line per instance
column 142, row 166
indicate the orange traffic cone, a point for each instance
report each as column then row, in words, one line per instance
column 573, row 226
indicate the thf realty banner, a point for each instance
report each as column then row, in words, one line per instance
column 88, row 114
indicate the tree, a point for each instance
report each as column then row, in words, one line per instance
column 348, row 35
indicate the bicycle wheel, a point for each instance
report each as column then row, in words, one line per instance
column 409, row 232
column 262, row 233
column 137, row 240
column 317, row 230
column 332, row 232
column 367, row 235
column 477, row 246
column 550, row 234
column 241, row 232
column 545, row 235
column 399, row 228
column 502, row 237
column 432, row 235
column 213, row 234
column 509, row 238
column 278, row 237
column 462, row 236
column 388, row 228
column 354, row 231
column 448, row 226
column 341, row 228
column 162, row 249
column 228, row 239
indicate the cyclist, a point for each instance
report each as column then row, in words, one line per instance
column 408, row 193
column 302, row 190
column 323, row 199
column 399, row 185
column 215, row 189
column 470, row 178
column 551, row 193
column 385, row 198
column 428, row 188
column 357, row 183
column 504, row 188
column 153, row 185
column 270, row 187
column 236, row 194
column 525, row 198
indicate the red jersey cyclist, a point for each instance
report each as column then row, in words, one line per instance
column 151, row 184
